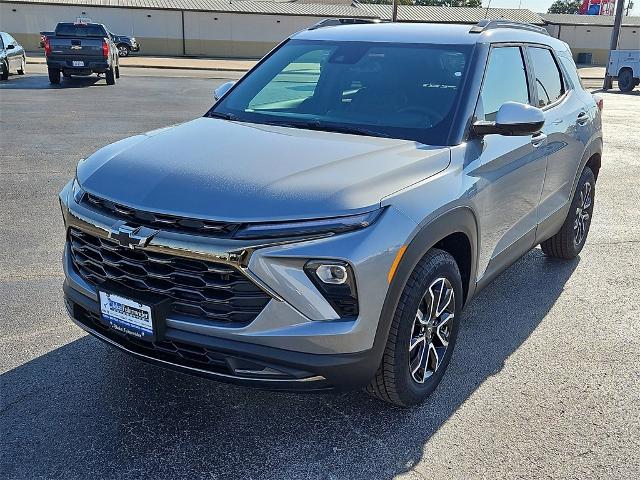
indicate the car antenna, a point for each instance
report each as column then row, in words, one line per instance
column 486, row 10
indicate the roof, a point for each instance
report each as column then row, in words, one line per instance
column 260, row 7
column 426, row 33
column 589, row 20
column 406, row 13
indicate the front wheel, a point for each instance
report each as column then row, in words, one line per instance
column 423, row 332
column 570, row 240
column 5, row 72
column 54, row 76
column 123, row 50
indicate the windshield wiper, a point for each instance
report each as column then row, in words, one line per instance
column 224, row 116
column 341, row 129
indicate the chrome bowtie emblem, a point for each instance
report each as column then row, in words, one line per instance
column 131, row 237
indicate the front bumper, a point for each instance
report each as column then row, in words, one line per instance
column 229, row 361
column 296, row 342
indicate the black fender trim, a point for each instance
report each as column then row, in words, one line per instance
column 457, row 220
column 551, row 225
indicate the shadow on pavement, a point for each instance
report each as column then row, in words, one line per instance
column 85, row 410
column 39, row 82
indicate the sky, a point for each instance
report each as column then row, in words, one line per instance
column 537, row 5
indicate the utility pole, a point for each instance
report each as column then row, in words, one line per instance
column 394, row 12
column 615, row 35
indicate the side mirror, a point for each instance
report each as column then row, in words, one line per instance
column 219, row 92
column 512, row 119
column 10, row 47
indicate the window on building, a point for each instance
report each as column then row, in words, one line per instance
column 505, row 80
column 549, row 83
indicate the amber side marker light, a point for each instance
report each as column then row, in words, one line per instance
column 396, row 261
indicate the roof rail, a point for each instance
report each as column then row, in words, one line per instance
column 484, row 25
column 334, row 22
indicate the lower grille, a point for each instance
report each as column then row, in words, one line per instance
column 170, row 351
column 201, row 289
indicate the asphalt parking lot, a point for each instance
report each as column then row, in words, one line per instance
column 545, row 380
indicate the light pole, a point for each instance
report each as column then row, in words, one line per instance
column 394, row 11
column 615, row 34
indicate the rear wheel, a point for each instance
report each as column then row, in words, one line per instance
column 110, row 76
column 54, row 76
column 568, row 242
column 626, row 83
column 21, row 70
column 118, row 72
column 423, row 332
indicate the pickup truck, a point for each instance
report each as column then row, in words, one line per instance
column 81, row 49
column 624, row 66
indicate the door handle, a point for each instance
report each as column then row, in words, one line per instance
column 538, row 139
column 583, row 118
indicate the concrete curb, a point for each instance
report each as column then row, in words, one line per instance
column 162, row 67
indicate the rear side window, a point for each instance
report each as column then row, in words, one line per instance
column 80, row 30
column 549, row 83
column 505, row 80
column 571, row 70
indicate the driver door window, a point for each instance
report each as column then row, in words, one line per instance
column 505, row 80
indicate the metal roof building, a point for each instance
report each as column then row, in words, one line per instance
column 250, row 28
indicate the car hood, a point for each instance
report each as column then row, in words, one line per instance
column 232, row 171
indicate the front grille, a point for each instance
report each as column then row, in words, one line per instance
column 206, row 290
column 159, row 221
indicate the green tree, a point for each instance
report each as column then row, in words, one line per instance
column 565, row 6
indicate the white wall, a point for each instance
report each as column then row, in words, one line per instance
column 144, row 23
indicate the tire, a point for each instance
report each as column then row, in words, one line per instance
column 399, row 379
column 118, row 72
column 124, row 50
column 570, row 240
column 110, row 76
column 22, row 68
column 5, row 72
column 626, row 82
column 54, row 76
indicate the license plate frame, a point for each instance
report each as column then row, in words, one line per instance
column 142, row 318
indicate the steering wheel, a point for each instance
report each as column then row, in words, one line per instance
column 429, row 113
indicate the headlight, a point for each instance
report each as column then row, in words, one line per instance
column 308, row 227
column 77, row 191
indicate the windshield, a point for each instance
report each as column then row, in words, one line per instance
column 404, row 91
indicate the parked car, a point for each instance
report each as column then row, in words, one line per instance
column 81, row 49
column 12, row 56
column 125, row 44
column 325, row 223
column 624, row 66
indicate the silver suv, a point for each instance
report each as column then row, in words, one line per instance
column 326, row 221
